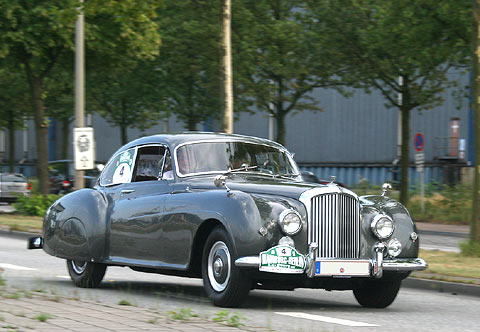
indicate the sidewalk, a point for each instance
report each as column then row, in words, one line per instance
column 41, row 312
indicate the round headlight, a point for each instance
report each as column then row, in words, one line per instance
column 290, row 222
column 382, row 226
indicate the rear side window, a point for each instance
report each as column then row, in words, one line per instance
column 119, row 169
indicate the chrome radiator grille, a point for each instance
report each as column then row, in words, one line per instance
column 334, row 225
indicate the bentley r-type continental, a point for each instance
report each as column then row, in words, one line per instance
column 235, row 211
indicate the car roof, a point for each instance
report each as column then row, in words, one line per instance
column 174, row 139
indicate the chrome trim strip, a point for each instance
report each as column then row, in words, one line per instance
column 404, row 264
column 248, row 261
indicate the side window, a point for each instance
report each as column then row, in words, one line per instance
column 119, row 169
column 149, row 163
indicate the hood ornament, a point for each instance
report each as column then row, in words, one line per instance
column 332, row 179
column 221, row 181
column 386, row 187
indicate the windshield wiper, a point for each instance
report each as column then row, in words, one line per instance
column 241, row 169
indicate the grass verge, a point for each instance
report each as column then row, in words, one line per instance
column 15, row 222
column 448, row 266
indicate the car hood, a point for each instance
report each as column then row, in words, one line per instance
column 257, row 185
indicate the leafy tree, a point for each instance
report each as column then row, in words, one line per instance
column 278, row 59
column 188, row 69
column 382, row 40
column 36, row 35
column 126, row 97
column 14, row 106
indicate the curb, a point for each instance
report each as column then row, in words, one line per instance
column 18, row 234
column 440, row 233
column 453, row 288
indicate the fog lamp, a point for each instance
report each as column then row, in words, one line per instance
column 287, row 240
column 394, row 247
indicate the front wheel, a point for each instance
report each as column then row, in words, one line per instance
column 85, row 274
column 224, row 283
column 377, row 294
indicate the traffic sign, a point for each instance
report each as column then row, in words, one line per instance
column 418, row 142
column 419, row 161
column 84, row 148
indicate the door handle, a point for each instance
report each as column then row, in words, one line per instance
column 127, row 191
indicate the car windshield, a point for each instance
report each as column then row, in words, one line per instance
column 215, row 157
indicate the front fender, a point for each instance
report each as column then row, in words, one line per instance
column 244, row 214
column 75, row 226
column 404, row 225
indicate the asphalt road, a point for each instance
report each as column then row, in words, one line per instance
column 299, row 310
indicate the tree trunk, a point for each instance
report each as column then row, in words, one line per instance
column 41, row 133
column 65, row 137
column 11, row 142
column 123, row 134
column 192, row 123
column 281, row 127
column 404, row 159
column 475, row 222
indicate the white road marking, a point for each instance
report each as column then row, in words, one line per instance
column 326, row 319
column 16, row 267
column 63, row 277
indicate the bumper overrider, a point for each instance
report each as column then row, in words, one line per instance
column 286, row 259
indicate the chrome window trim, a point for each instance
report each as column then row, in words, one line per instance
column 280, row 148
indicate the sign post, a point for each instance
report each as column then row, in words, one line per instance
column 418, row 142
column 84, row 148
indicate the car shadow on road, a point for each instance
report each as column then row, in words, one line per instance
column 257, row 300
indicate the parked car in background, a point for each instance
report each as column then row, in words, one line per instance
column 235, row 211
column 62, row 176
column 13, row 185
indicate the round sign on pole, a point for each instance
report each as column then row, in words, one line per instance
column 418, row 142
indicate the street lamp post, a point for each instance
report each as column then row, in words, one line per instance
column 79, row 86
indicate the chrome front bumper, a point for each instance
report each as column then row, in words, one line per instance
column 378, row 263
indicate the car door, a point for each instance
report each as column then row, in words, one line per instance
column 138, row 208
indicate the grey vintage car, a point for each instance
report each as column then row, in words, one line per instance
column 235, row 211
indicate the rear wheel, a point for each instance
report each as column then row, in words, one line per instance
column 85, row 274
column 224, row 283
column 377, row 294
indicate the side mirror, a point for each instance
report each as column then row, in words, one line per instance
column 100, row 167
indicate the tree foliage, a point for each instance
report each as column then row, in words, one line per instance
column 36, row 35
column 188, row 68
column 15, row 105
column 279, row 59
column 381, row 40
column 126, row 97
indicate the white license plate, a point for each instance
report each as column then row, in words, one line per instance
column 334, row 267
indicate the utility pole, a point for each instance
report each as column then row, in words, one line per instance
column 227, row 125
column 79, row 86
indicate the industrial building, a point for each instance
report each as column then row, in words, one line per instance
column 353, row 138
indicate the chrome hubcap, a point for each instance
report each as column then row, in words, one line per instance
column 219, row 266
column 79, row 267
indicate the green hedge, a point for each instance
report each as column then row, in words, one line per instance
column 34, row 205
